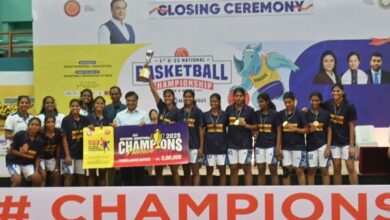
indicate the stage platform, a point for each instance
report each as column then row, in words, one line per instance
column 150, row 180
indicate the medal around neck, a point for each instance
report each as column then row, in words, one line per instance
column 316, row 123
column 237, row 122
column 285, row 123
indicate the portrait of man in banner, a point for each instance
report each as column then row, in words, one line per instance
column 116, row 31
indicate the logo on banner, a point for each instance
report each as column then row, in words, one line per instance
column 98, row 147
column 103, row 144
column 139, row 144
column 185, row 70
column 261, row 71
column 176, row 9
column 384, row 3
column 72, row 8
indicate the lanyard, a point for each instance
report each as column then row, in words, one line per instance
column 315, row 115
column 166, row 114
column 187, row 115
column 212, row 119
column 238, row 113
column 261, row 118
column 335, row 108
column 288, row 118
column 76, row 125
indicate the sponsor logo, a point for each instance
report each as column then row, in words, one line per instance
column 185, row 70
column 72, row 8
column 384, row 3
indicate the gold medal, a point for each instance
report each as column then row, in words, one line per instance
column 285, row 123
column 316, row 123
column 236, row 122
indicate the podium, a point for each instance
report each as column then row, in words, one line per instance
column 374, row 161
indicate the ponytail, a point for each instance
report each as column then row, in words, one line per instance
column 267, row 99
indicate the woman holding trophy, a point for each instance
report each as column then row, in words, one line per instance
column 168, row 113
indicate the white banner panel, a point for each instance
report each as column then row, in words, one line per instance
column 211, row 46
column 199, row 22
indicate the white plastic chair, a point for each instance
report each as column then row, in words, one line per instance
column 389, row 135
column 365, row 136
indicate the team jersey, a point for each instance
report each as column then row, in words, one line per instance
column 267, row 132
column 74, row 134
column 97, row 121
column 340, row 117
column 166, row 115
column 51, row 144
column 85, row 111
column 215, row 132
column 317, row 139
column 16, row 122
column 59, row 118
column 34, row 149
column 194, row 120
column 292, row 140
column 238, row 136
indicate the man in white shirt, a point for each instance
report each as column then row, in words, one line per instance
column 132, row 176
column 116, row 31
column 131, row 115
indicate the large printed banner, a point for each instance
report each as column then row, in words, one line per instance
column 212, row 46
column 150, row 145
column 319, row 202
column 98, row 146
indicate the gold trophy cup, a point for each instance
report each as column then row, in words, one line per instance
column 145, row 72
column 157, row 137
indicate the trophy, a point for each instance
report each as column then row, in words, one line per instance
column 157, row 137
column 145, row 72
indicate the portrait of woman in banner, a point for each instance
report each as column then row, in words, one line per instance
column 354, row 75
column 327, row 72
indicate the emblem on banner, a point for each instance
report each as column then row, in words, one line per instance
column 260, row 70
column 157, row 137
column 72, row 8
column 384, row 3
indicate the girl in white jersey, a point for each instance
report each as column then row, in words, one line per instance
column 18, row 120
column 49, row 109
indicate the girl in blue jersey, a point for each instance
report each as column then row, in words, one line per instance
column 268, row 149
column 72, row 155
column 24, row 157
column 343, row 120
column 193, row 116
column 318, row 140
column 98, row 119
column 53, row 140
column 241, row 123
column 168, row 113
column 294, row 128
column 215, row 123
